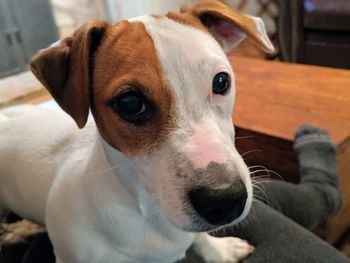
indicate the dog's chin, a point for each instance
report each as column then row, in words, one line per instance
column 200, row 227
column 185, row 218
column 195, row 223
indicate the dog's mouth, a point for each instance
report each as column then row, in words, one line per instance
column 205, row 208
column 203, row 199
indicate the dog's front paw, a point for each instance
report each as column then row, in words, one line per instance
column 223, row 250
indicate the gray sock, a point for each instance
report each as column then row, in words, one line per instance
column 317, row 196
column 318, row 166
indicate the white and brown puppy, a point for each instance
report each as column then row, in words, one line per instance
column 156, row 168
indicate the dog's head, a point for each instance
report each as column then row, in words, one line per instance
column 161, row 90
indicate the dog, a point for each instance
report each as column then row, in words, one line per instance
column 156, row 168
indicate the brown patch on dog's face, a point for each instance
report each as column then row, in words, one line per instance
column 126, row 60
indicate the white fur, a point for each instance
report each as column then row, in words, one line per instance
column 190, row 59
column 226, row 249
column 100, row 206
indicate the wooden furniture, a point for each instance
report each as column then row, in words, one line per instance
column 315, row 32
column 273, row 100
column 25, row 27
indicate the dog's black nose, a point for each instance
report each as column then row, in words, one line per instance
column 219, row 206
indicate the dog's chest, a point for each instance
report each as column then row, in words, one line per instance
column 124, row 230
column 146, row 239
column 151, row 239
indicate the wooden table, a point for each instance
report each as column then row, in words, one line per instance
column 274, row 99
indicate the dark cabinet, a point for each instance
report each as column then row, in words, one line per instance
column 25, row 27
column 315, row 32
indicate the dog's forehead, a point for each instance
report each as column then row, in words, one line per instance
column 173, row 36
column 189, row 56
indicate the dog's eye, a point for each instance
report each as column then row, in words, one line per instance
column 130, row 103
column 132, row 106
column 221, row 83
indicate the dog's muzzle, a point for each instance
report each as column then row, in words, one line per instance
column 219, row 206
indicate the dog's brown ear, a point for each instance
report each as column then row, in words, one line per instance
column 230, row 26
column 65, row 69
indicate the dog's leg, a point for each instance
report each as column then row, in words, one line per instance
column 224, row 249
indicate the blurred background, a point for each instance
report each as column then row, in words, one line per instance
column 304, row 31
column 29, row 25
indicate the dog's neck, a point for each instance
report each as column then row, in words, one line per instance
column 126, row 170
column 127, row 175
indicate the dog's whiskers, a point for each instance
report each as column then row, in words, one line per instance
column 251, row 151
column 154, row 212
column 258, row 187
column 264, row 169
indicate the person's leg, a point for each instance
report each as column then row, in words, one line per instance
column 277, row 239
column 317, row 196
